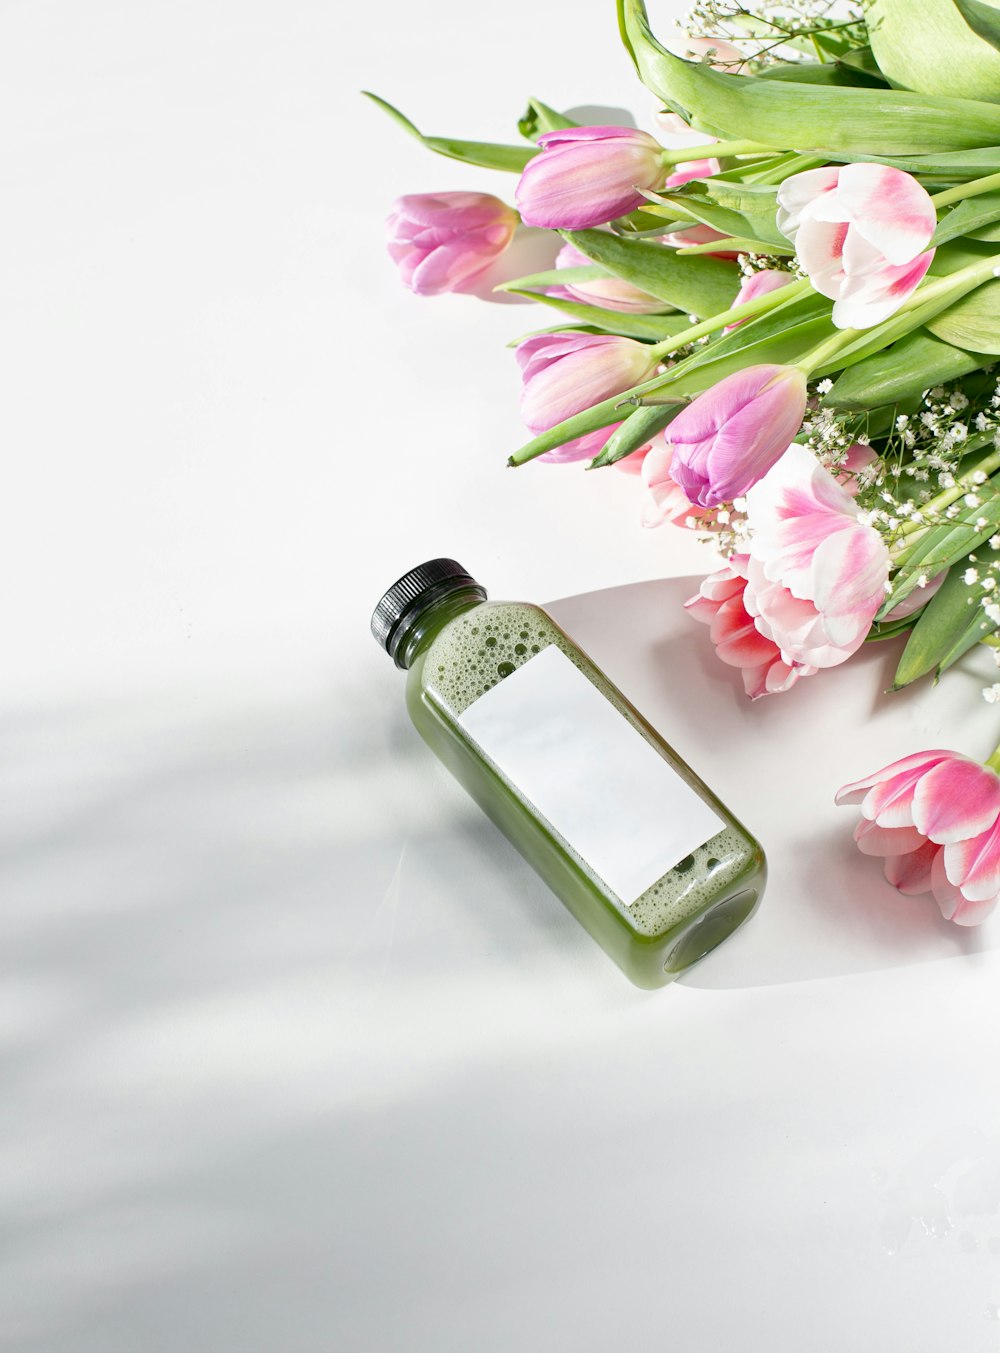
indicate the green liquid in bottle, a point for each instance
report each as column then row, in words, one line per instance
column 458, row 648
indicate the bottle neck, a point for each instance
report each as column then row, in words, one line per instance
column 424, row 628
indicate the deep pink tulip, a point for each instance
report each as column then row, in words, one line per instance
column 861, row 232
column 759, row 284
column 610, row 293
column 445, row 241
column 565, row 373
column 934, row 817
column 817, row 574
column 586, row 176
column 731, row 435
column 737, row 641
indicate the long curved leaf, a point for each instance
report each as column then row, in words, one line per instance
column 803, row 117
column 900, row 372
column 982, row 18
column 486, row 154
column 944, row 55
column 951, row 623
column 699, row 286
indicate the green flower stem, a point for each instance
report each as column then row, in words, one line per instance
column 716, row 150
column 769, row 301
column 993, row 761
column 829, row 348
column 971, row 189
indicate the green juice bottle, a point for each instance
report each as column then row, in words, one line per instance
column 623, row 832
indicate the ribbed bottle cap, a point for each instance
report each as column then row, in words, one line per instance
column 403, row 603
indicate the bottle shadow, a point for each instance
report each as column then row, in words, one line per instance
column 777, row 763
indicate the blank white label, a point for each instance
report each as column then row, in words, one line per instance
column 597, row 781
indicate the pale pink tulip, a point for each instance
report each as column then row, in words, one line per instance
column 664, row 499
column 861, row 232
column 731, row 435
column 610, row 293
column 816, row 575
column 934, row 817
column 759, row 284
column 586, row 176
column 737, row 641
column 675, row 134
column 565, row 373
column 700, row 234
column 445, row 241
column 714, row 52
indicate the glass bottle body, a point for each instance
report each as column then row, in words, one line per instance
column 461, row 650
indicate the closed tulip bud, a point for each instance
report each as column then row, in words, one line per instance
column 564, row 374
column 610, row 292
column 586, row 176
column 445, row 241
column 730, row 436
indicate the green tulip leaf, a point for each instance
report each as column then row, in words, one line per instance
column 946, row 544
column 699, row 286
column 485, row 154
column 969, row 217
column 776, row 112
column 973, row 322
column 539, row 118
column 654, row 327
column 638, row 428
column 901, row 372
column 983, row 18
column 739, row 209
column 946, row 54
column 950, row 624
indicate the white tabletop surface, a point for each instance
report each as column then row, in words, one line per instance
column 298, row 1054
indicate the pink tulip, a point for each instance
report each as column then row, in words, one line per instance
column 610, row 293
column 586, row 176
column 444, row 241
column 714, row 52
column 675, row 134
column 737, row 641
column 860, row 232
column 700, row 234
column 934, row 817
column 665, row 500
column 565, row 373
column 816, row 575
column 759, row 284
column 733, row 433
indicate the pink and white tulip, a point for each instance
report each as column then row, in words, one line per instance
column 445, row 241
column 737, row 641
column 610, row 293
column 817, row 574
column 759, row 284
column 565, row 373
column 861, row 233
column 587, row 176
column 731, row 435
column 675, row 134
column 934, row 817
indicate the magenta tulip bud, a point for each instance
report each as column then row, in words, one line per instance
column 445, row 241
column 564, row 374
column 586, row 176
column 730, row 436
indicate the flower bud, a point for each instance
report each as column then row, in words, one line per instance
column 610, row 293
column 730, row 436
column 587, row 176
column 445, row 241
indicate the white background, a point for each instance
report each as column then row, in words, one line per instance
column 297, row 1053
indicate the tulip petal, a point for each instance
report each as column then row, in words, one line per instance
column 974, row 864
column 888, row 208
column 875, row 840
column 911, row 873
column 797, row 193
column 955, row 800
column 857, row 789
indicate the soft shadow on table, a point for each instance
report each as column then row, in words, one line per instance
column 777, row 764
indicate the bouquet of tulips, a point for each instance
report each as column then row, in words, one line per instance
column 781, row 311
